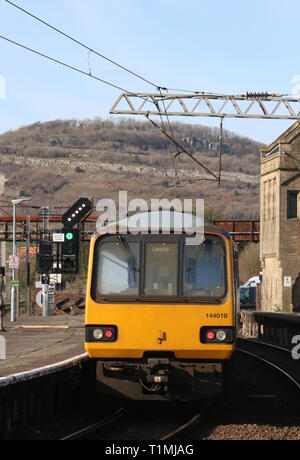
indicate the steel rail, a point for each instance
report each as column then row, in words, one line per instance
column 96, row 426
column 273, row 365
column 196, row 418
column 269, row 345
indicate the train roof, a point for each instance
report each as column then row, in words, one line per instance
column 212, row 228
column 161, row 220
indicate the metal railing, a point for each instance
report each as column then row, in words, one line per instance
column 272, row 328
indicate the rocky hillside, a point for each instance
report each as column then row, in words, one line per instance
column 57, row 162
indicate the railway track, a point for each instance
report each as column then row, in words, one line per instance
column 173, row 435
column 262, row 402
column 252, row 397
column 69, row 304
column 109, row 420
column 279, row 358
column 142, row 422
column 164, row 429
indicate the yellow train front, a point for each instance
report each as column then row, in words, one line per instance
column 161, row 313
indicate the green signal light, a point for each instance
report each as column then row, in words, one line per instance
column 69, row 236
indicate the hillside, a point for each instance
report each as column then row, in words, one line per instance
column 57, row 162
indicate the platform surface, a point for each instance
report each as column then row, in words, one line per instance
column 36, row 342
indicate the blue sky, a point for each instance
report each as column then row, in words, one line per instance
column 216, row 46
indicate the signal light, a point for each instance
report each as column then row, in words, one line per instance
column 45, row 249
column 69, row 266
column 44, row 263
column 78, row 212
column 45, row 279
column 70, row 246
column 69, row 236
column 70, row 251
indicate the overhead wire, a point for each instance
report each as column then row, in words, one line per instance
column 76, row 69
column 89, row 74
column 91, row 50
column 172, row 135
column 172, row 138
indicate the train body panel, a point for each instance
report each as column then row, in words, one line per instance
column 141, row 328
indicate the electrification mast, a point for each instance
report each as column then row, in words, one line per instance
column 249, row 105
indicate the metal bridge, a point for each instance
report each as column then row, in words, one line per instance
column 241, row 231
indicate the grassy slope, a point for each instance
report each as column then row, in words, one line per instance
column 140, row 156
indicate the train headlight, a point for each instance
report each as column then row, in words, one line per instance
column 98, row 334
column 221, row 335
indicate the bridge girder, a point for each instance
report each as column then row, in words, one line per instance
column 250, row 105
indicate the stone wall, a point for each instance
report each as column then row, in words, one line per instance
column 280, row 234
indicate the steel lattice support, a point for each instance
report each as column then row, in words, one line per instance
column 250, row 105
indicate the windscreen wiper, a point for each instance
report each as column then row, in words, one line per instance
column 196, row 254
column 130, row 262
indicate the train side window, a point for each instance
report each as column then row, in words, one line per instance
column 161, row 261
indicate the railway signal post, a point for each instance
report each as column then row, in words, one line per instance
column 70, row 248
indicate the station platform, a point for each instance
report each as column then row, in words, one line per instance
column 36, row 342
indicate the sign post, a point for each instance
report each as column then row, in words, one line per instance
column 15, row 283
column 287, row 281
column 38, row 298
column 14, row 262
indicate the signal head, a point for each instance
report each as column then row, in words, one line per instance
column 80, row 210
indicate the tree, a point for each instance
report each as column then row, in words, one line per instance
column 249, row 262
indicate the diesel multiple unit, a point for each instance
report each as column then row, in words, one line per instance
column 161, row 313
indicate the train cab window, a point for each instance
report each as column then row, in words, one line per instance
column 118, row 265
column 161, row 261
column 205, row 269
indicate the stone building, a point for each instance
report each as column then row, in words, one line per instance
column 280, row 222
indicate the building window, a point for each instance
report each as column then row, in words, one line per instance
column 292, row 205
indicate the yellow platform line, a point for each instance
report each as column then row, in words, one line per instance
column 42, row 327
